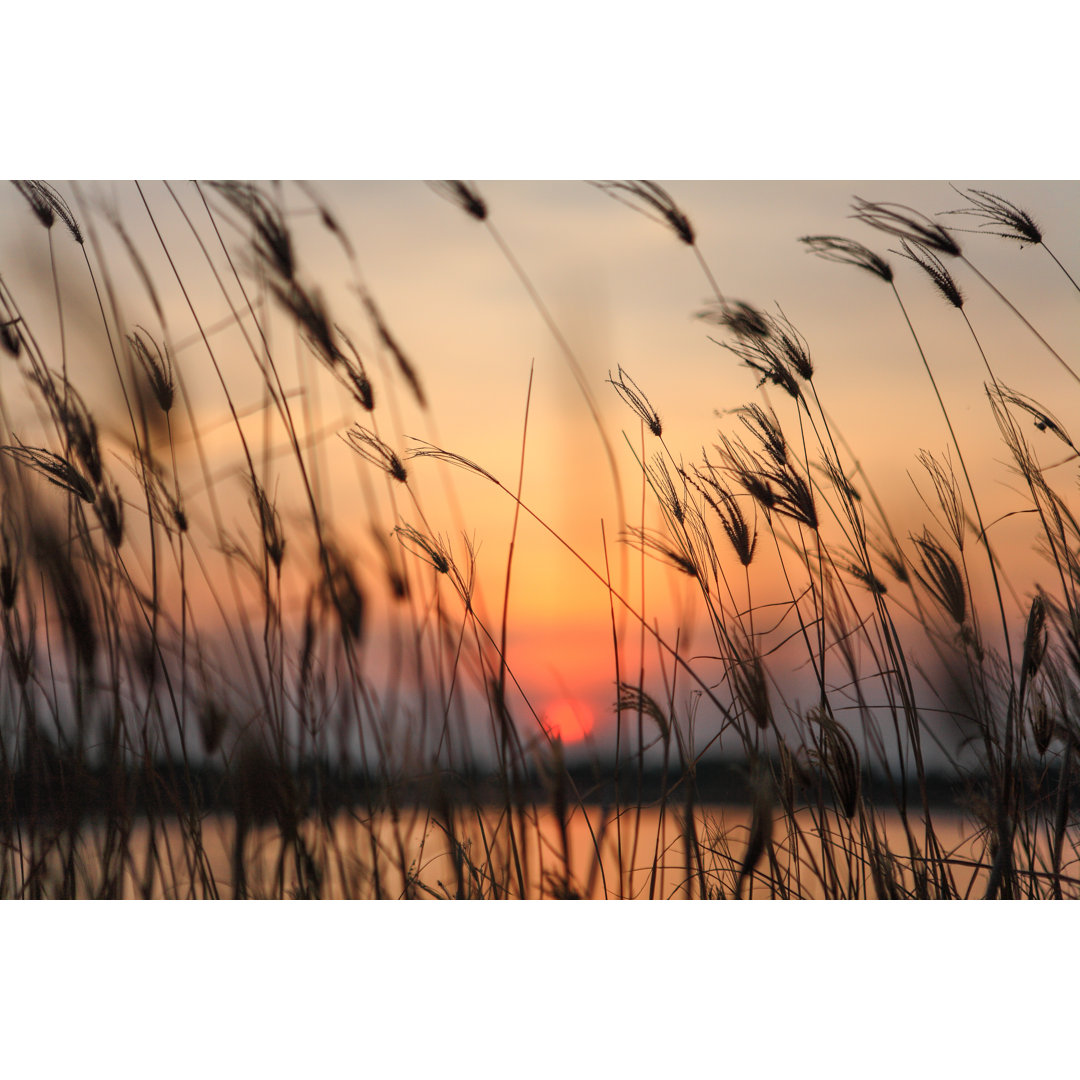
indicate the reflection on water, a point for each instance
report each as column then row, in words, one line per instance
column 635, row 855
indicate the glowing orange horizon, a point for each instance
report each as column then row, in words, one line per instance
column 568, row 719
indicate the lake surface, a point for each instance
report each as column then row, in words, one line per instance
column 638, row 855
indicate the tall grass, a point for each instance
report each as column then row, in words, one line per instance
column 217, row 681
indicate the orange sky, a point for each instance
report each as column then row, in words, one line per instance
column 622, row 290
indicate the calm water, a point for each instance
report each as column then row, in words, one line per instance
column 639, row 855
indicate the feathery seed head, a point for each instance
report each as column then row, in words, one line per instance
column 48, row 205
column 54, row 468
column 632, row 699
column 868, row 578
column 747, row 470
column 766, row 429
column 462, row 194
column 371, row 448
column 893, row 558
column 760, row 355
column 156, row 365
column 343, row 593
column 935, row 269
column 38, row 203
column 631, row 393
column 430, row 550
column 82, row 433
column 353, row 374
column 109, row 507
column 794, row 348
column 10, row 564
column 948, row 493
column 743, row 319
column 840, row 481
column 657, row 545
column 851, row 252
column 739, row 533
column 1044, row 420
column 53, row 557
column 1035, row 636
column 795, row 498
column 1000, row 217
column 272, row 241
column 649, row 198
column 165, row 506
column 942, row 577
column 1043, row 725
column 310, row 313
column 664, row 488
column 426, row 449
column 273, row 534
column 748, row 682
column 839, row 758
column 74, row 417
column 9, row 337
column 908, row 224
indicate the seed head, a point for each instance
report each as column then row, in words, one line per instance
column 906, row 223
column 462, row 194
column 868, row 578
column 273, row 535
column 9, row 336
column 743, row 319
column 999, row 216
column 659, row 479
column 426, row 449
column 310, row 314
column 941, row 577
column 54, row 468
column 110, row 511
column 371, row 448
column 156, row 365
column 632, row 394
column 343, row 594
column 48, row 205
column 10, row 563
column 948, row 493
column 660, row 546
column 935, row 268
column 273, row 243
column 351, row 372
column 1044, row 420
column 766, row 429
column 748, row 683
column 851, row 252
column 740, row 535
column 632, row 699
column 793, row 496
column 1034, row 638
column 430, row 550
column 749, row 472
column 165, row 505
column 649, row 198
column 839, row 758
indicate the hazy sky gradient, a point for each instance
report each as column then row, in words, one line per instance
column 623, row 290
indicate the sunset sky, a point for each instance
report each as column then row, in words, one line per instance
column 623, row 291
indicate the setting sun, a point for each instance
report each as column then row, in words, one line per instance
column 568, row 719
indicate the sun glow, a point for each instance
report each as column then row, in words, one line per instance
column 569, row 719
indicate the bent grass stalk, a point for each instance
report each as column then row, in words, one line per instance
column 307, row 763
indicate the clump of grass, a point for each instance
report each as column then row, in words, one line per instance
column 212, row 687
